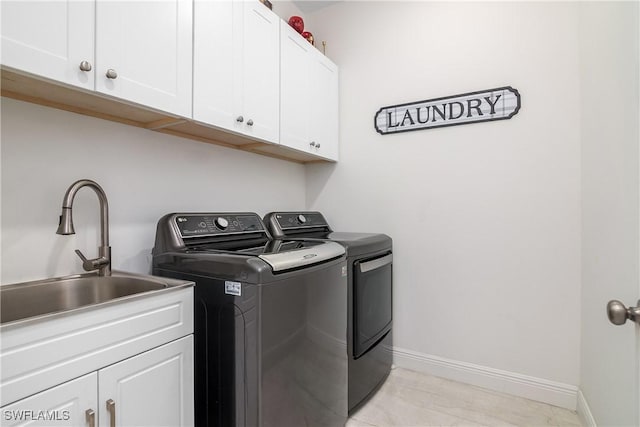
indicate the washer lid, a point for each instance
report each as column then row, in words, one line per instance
column 282, row 261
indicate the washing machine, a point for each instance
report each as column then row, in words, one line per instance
column 270, row 320
column 370, row 297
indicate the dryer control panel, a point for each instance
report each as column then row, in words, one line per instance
column 300, row 219
column 281, row 224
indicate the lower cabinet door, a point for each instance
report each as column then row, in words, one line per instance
column 152, row 389
column 72, row 403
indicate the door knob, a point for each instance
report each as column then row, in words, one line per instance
column 618, row 313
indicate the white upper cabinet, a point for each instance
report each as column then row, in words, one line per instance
column 139, row 51
column 309, row 97
column 215, row 52
column 143, row 52
column 52, row 39
column 236, row 67
column 231, row 71
column 261, row 70
column 324, row 111
column 295, row 90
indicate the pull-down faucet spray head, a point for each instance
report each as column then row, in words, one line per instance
column 66, row 223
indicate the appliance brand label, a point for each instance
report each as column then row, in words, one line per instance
column 309, row 256
column 483, row 106
column 233, row 288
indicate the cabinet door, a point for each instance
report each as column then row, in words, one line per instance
column 50, row 39
column 217, row 46
column 236, row 67
column 261, row 71
column 143, row 52
column 152, row 389
column 69, row 404
column 324, row 108
column 295, row 100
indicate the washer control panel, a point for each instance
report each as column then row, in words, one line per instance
column 192, row 225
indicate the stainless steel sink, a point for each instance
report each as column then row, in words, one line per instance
column 34, row 299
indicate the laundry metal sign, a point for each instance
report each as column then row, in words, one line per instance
column 487, row 105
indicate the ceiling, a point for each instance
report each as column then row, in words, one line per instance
column 309, row 6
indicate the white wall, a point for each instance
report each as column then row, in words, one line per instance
column 145, row 175
column 485, row 218
column 285, row 9
column 610, row 188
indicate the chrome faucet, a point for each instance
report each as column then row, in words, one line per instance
column 103, row 262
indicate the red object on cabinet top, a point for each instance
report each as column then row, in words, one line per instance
column 297, row 23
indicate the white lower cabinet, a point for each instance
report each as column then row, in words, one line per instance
column 152, row 389
column 74, row 403
column 124, row 364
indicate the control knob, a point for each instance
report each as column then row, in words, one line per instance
column 302, row 219
column 221, row 223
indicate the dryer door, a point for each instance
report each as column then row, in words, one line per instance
column 372, row 301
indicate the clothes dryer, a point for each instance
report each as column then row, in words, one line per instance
column 369, row 296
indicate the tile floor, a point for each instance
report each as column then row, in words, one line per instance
column 411, row 399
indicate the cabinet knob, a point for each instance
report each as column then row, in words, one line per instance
column 85, row 66
column 318, row 145
column 240, row 119
column 111, row 73
column 250, row 122
column 313, row 143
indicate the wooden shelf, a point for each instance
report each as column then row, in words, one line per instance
column 55, row 95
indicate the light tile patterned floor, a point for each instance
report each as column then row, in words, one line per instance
column 411, row 399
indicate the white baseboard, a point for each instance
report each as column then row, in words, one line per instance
column 541, row 390
column 584, row 412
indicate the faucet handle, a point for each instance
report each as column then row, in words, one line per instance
column 86, row 264
column 92, row 264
